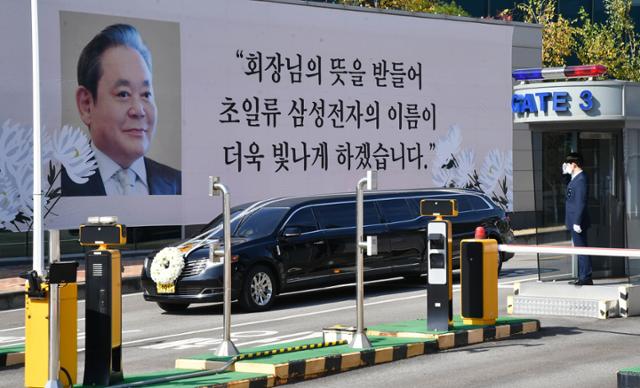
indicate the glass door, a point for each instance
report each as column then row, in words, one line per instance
column 549, row 151
column 603, row 164
column 602, row 153
column 632, row 194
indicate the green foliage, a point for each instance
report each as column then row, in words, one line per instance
column 612, row 43
column 558, row 36
column 428, row 6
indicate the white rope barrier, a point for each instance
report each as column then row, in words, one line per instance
column 564, row 250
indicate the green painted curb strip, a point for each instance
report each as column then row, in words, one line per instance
column 11, row 349
column 376, row 342
column 629, row 377
column 11, row 356
column 289, row 349
column 339, row 349
column 263, row 348
column 297, row 366
column 420, row 325
column 217, row 380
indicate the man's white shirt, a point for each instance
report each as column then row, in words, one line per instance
column 109, row 171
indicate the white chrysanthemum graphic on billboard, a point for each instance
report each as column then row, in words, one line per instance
column 456, row 167
column 71, row 148
column 68, row 147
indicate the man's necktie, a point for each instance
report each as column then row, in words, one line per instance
column 126, row 179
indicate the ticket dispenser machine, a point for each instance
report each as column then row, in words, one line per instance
column 439, row 249
column 103, row 314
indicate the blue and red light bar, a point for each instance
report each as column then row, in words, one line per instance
column 538, row 74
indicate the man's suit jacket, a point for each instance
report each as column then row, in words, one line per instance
column 161, row 179
column 576, row 203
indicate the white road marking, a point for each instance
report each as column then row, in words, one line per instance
column 7, row 340
column 201, row 342
column 188, row 343
column 281, row 338
column 311, row 335
column 13, row 328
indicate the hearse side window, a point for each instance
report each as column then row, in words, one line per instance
column 395, row 210
column 463, row 203
column 477, row 203
column 343, row 215
column 304, row 220
column 414, row 206
column 371, row 215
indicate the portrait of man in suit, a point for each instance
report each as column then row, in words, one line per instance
column 577, row 215
column 115, row 100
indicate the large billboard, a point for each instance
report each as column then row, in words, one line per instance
column 142, row 102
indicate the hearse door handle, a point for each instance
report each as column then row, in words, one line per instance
column 321, row 242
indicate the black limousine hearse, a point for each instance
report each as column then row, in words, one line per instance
column 297, row 243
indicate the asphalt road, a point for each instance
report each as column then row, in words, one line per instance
column 568, row 351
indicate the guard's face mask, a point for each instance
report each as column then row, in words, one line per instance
column 567, row 168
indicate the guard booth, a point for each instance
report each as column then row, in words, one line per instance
column 600, row 120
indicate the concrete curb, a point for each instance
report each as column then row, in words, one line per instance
column 310, row 368
column 15, row 299
column 11, row 359
column 628, row 378
column 256, row 382
column 305, row 369
column 468, row 337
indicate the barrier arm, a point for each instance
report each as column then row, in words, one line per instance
column 557, row 249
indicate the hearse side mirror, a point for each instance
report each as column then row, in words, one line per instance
column 291, row 231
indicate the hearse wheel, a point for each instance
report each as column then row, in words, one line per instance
column 258, row 289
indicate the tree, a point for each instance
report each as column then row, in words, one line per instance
column 428, row 6
column 558, row 36
column 612, row 43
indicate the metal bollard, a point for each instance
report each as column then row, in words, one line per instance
column 360, row 340
column 226, row 348
column 54, row 315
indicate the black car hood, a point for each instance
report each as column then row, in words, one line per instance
column 204, row 249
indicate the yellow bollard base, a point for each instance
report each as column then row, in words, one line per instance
column 478, row 321
column 36, row 371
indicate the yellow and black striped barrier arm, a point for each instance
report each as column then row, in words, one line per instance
column 265, row 353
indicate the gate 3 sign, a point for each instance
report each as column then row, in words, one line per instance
column 559, row 101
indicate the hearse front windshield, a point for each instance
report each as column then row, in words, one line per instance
column 251, row 225
column 260, row 223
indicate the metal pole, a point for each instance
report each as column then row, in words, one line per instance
column 38, row 234
column 54, row 315
column 54, row 246
column 360, row 340
column 226, row 348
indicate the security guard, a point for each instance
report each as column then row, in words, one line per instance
column 577, row 214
